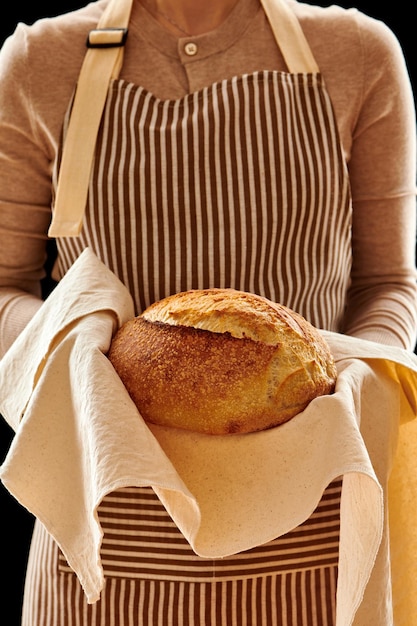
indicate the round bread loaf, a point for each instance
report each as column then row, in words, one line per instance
column 221, row 361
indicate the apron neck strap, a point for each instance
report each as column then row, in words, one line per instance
column 290, row 37
column 102, row 63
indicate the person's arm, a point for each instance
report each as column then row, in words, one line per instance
column 382, row 298
column 39, row 66
column 25, row 195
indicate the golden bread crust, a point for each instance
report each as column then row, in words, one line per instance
column 221, row 361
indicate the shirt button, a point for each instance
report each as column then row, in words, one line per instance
column 191, row 49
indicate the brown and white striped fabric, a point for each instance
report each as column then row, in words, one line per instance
column 148, row 544
column 153, row 578
column 241, row 185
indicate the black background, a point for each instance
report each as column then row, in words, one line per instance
column 16, row 522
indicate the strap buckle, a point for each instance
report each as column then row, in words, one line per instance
column 107, row 38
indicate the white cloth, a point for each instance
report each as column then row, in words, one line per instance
column 79, row 436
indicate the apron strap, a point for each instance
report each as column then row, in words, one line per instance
column 290, row 37
column 102, row 63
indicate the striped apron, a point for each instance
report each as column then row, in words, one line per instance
column 242, row 184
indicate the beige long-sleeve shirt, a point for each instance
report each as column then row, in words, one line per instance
column 366, row 76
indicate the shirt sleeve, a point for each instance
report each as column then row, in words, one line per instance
column 25, row 194
column 382, row 167
column 34, row 93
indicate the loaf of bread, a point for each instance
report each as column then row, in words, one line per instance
column 221, row 361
